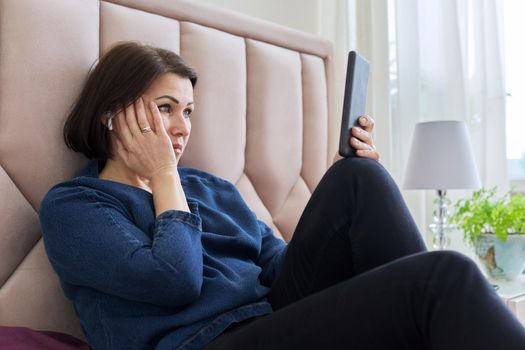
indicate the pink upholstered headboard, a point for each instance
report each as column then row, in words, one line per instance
column 263, row 118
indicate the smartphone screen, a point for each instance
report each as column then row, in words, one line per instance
column 354, row 104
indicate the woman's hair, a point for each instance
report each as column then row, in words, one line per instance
column 122, row 75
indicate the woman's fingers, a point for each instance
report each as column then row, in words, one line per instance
column 372, row 154
column 149, row 116
column 367, row 123
column 359, row 145
column 362, row 135
column 131, row 120
column 121, row 129
column 143, row 154
column 157, row 118
column 362, row 140
column 140, row 111
column 364, row 149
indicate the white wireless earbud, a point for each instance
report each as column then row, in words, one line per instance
column 110, row 121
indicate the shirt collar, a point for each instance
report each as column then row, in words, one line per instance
column 92, row 168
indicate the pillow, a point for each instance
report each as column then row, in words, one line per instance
column 21, row 338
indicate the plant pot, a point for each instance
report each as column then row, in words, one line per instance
column 502, row 260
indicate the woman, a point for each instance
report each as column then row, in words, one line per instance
column 156, row 256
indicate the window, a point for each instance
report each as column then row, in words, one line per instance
column 514, row 27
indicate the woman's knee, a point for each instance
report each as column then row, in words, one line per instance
column 358, row 166
column 446, row 259
column 360, row 171
column 450, row 267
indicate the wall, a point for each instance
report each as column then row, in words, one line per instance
column 298, row 14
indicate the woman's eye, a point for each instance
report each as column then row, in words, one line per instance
column 187, row 112
column 165, row 109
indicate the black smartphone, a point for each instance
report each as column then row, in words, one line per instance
column 354, row 103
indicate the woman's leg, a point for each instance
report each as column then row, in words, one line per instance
column 436, row 300
column 355, row 220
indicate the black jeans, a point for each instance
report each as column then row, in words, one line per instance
column 356, row 276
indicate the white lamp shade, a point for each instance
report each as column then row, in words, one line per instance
column 441, row 157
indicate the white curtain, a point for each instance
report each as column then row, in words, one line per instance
column 361, row 25
column 433, row 60
column 450, row 55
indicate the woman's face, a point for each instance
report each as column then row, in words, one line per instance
column 174, row 98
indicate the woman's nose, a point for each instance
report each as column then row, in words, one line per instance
column 179, row 126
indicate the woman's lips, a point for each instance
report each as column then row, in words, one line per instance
column 177, row 148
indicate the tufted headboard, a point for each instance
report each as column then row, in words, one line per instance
column 263, row 119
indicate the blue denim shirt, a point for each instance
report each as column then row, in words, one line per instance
column 175, row 281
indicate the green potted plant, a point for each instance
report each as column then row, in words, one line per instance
column 494, row 227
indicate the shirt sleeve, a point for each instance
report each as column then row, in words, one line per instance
column 91, row 241
column 272, row 254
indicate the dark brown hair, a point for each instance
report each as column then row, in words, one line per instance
column 121, row 76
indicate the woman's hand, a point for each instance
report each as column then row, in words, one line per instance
column 142, row 142
column 361, row 139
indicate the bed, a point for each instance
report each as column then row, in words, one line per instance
column 263, row 119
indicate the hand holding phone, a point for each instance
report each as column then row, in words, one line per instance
column 354, row 104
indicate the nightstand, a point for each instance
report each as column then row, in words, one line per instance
column 513, row 293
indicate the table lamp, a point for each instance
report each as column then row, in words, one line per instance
column 441, row 158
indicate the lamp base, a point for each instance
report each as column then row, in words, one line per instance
column 440, row 242
column 440, row 226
